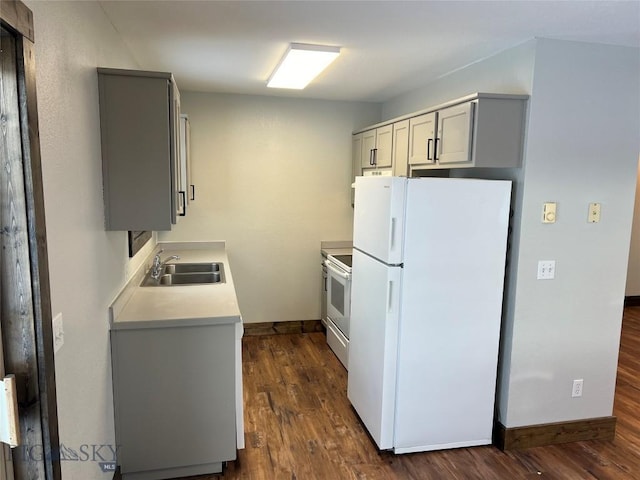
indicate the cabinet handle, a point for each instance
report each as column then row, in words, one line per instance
column 184, row 203
column 435, row 150
column 375, row 156
column 429, row 142
column 371, row 156
column 193, row 192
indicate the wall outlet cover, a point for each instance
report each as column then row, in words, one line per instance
column 576, row 390
column 546, row 269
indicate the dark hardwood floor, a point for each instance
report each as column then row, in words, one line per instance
column 300, row 425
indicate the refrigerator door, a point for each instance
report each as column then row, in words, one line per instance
column 453, row 276
column 373, row 345
column 378, row 221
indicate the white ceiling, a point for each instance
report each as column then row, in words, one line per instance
column 388, row 47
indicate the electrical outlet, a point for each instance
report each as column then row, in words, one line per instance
column 546, row 269
column 576, row 391
column 58, row 333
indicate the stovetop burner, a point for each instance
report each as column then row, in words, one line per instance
column 344, row 259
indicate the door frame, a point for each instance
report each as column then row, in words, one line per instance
column 16, row 18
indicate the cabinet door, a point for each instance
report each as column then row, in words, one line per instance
column 179, row 195
column 455, row 127
column 178, row 394
column 400, row 155
column 383, row 151
column 186, row 184
column 422, row 139
column 368, row 149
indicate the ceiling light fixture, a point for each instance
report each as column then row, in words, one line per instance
column 301, row 64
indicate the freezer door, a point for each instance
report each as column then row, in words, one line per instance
column 379, row 217
column 373, row 345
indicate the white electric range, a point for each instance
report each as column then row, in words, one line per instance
column 339, row 305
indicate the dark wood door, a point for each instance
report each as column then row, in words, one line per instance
column 25, row 312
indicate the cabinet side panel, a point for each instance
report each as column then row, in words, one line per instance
column 498, row 134
column 134, row 115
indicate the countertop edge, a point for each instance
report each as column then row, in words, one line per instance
column 174, row 323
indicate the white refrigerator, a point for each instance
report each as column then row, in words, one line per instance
column 426, row 302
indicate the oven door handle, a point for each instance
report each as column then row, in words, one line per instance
column 337, row 272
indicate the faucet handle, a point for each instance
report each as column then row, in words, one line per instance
column 156, row 259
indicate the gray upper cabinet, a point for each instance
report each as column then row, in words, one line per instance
column 375, row 149
column 381, row 151
column 139, row 125
column 455, row 134
column 480, row 130
column 486, row 131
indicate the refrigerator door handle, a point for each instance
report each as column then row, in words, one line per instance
column 392, row 233
column 390, row 297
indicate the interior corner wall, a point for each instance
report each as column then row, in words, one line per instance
column 273, row 179
column 582, row 147
column 510, row 71
column 87, row 265
column 633, row 272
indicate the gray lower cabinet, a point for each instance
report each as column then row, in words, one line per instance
column 174, row 399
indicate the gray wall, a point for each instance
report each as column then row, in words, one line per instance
column 273, row 179
column 582, row 146
column 88, row 266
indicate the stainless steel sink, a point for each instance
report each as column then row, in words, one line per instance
column 175, row 274
column 177, row 268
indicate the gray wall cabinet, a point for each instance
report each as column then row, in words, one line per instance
column 175, row 400
column 479, row 130
column 139, row 125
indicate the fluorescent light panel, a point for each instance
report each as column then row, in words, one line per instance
column 301, row 64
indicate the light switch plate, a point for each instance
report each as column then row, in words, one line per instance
column 594, row 213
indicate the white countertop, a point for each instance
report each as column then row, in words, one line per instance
column 336, row 248
column 183, row 305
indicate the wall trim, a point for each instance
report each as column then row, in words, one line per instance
column 632, row 301
column 603, row 428
column 276, row 328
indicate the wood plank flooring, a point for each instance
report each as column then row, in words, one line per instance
column 300, row 425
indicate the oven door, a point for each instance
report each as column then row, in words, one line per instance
column 338, row 297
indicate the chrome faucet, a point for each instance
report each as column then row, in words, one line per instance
column 158, row 264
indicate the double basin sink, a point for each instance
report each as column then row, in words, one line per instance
column 174, row 274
